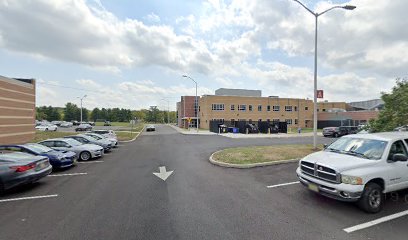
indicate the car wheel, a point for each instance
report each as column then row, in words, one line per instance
column 46, row 129
column 85, row 156
column 336, row 135
column 1, row 189
column 372, row 199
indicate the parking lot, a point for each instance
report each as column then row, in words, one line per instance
column 119, row 197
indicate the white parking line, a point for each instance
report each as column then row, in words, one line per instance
column 375, row 222
column 28, row 198
column 66, row 174
column 282, row 184
column 91, row 162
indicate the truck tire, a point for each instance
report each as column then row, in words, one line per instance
column 372, row 199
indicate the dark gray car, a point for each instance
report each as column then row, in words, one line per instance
column 18, row 168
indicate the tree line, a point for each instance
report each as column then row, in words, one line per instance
column 71, row 112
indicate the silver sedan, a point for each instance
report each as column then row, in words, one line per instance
column 84, row 152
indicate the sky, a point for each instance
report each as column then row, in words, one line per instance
column 132, row 54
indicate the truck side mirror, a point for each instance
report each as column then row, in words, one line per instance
column 398, row 157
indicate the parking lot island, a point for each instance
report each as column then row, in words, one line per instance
column 259, row 156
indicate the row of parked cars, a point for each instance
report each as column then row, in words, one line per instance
column 27, row 163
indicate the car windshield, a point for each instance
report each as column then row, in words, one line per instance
column 359, row 147
column 72, row 142
column 96, row 136
column 15, row 156
column 38, row 148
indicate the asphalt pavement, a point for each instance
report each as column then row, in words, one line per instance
column 119, row 197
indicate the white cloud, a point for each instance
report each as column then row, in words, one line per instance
column 153, row 18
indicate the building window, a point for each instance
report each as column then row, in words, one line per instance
column 289, row 121
column 268, row 108
column 232, row 107
column 276, row 108
column 242, row 107
column 232, row 122
column 250, row 108
column 306, row 108
column 217, row 107
column 324, row 110
column 296, row 121
column 275, row 121
column 268, row 120
column 199, row 108
column 259, row 108
column 250, row 121
column 288, row 108
column 317, row 110
column 295, row 109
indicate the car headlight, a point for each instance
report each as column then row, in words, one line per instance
column 351, row 180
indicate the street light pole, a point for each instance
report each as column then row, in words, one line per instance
column 196, row 100
column 168, row 109
column 81, row 98
column 316, row 15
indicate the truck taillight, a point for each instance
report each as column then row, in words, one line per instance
column 24, row 167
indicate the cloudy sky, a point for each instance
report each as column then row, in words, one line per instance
column 128, row 53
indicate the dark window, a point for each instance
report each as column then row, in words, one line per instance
column 259, row 108
column 232, row 107
column 397, row 147
column 295, row 109
column 276, row 108
column 306, row 108
column 268, row 108
column 250, row 107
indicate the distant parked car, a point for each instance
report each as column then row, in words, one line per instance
column 150, row 128
column 252, row 128
column 83, row 152
column 401, row 128
column 83, row 127
column 85, row 139
column 58, row 159
column 339, row 131
column 107, row 123
column 90, row 123
column 75, row 123
column 18, row 168
column 106, row 133
column 66, row 124
column 114, row 141
column 47, row 127
column 56, row 123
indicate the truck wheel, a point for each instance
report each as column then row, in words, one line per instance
column 372, row 199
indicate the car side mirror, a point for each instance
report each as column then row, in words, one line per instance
column 398, row 157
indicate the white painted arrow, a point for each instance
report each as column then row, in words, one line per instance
column 163, row 174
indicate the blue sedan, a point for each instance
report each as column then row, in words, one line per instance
column 58, row 159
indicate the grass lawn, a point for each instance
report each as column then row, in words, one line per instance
column 43, row 135
column 304, row 130
column 136, row 128
column 125, row 136
column 246, row 155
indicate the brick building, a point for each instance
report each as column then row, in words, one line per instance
column 186, row 112
column 17, row 110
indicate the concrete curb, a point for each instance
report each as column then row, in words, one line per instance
column 250, row 165
column 192, row 133
column 127, row 141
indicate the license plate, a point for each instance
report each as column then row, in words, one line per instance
column 313, row 187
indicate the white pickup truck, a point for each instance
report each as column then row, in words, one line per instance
column 358, row 168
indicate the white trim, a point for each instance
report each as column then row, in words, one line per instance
column 66, row 174
column 282, row 184
column 28, row 198
column 375, row 222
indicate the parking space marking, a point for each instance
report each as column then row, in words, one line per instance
column 282, row 184
column 28, row 198
column 66, row 174
column 375, row 222
column 91, row 162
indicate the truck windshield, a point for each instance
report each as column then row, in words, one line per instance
column 363, row 148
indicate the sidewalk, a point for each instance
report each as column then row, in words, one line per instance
column 262, row 135
column 191, row 131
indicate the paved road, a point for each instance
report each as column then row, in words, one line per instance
column 120, row 198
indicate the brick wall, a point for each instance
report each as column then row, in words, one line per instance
column 17, row 110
